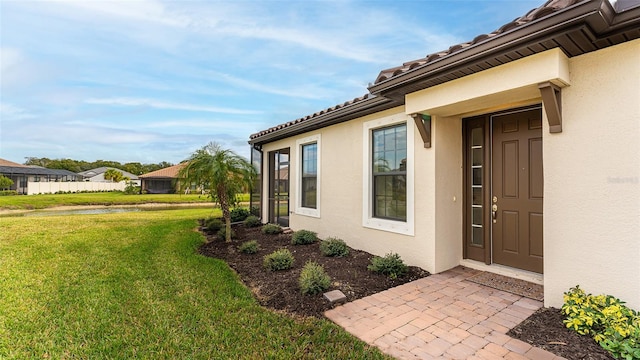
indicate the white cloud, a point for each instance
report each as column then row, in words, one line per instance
column 126, row 101
column 10, row 112
column 308, row 91
column 9, row 57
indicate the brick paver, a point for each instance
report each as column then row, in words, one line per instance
column 441, row 316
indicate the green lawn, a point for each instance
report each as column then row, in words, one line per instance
column 131, row 285
column 108, row 198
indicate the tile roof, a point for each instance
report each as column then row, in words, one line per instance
column 4, row 162
column 575, row 26
column 170, row 172
column 103, row 169
column 550, row 7
column 310, row 117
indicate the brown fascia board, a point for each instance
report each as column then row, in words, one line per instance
column 359, row 109
column 500, row 44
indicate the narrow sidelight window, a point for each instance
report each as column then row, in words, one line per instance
column 389, row 172
column 309, row 184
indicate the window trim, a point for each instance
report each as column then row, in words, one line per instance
column 317, row 139
column 396, row 226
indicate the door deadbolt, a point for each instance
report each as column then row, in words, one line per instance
column 495, row 199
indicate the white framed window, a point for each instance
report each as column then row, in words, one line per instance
column 388, row 174
column 308, row 180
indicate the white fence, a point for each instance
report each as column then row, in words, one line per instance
column 46, row 187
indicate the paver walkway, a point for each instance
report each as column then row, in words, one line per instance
column 441, row 317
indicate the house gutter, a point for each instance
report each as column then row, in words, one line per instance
column 356, row 110
column 598, row 16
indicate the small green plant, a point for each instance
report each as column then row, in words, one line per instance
column 5, row 182
column 239, row 214
column 391, row 265
column 271, row 229
column 222, row 233
column 606, row 319
column 131, row 188
column 213, row 224
column 249, row 247
column 334, row 247
column 281, row 259
column 252, row 221
column 313, row 279
column 304, row 237
column 8, row 192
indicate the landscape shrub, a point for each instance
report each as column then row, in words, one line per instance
column 391, row 265
column 313, row 279
column 249, row 247
column 131, row 189
column 606, row 319
column 334, row 247
column 271, row 229
column 304, row 237
column 252, row 221
column 239, row 214
column 255, row 211
column 213, row 224
column 281, row 259
column 8, row 192
column 222, row 233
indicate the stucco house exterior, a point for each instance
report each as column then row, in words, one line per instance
column 97, row 175
column 23, row 175
column 517, row 152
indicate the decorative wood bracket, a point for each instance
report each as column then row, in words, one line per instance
column 423, row 123
column 552, row 105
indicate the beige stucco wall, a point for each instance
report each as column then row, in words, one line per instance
column 448, row 192
column 508, row 86
column 591, row 171
column 592, row 180
column 592, row 168
column 342, row 196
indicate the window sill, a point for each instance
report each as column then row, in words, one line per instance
column 308, row 212
column 398, row 227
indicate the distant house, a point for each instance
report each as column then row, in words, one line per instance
column 163, row 181
column 22, row 175
column 97, row 175
column 456, row 158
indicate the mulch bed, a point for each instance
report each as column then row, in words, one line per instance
column 544, row 329
column 279, row 290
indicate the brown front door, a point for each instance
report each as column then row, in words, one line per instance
column 504, row 188
column 517, row 189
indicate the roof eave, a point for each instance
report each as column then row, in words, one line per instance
column 356, row 110
column 578, row 14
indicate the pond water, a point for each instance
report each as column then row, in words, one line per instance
column 97, row 211
column 79, row 212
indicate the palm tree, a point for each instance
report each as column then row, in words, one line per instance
column 221, row 171
column 113, row 175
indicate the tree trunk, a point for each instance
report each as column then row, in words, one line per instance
column 226, row 214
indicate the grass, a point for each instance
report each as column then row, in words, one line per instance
column 107, row 198
column 132, row 286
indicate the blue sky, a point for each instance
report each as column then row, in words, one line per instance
column 149, row 81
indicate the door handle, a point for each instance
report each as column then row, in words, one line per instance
column 494, row 213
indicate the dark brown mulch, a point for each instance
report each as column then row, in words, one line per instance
column 544, row 329
column 279, row 290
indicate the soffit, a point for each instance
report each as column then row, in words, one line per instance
column 576, row 27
